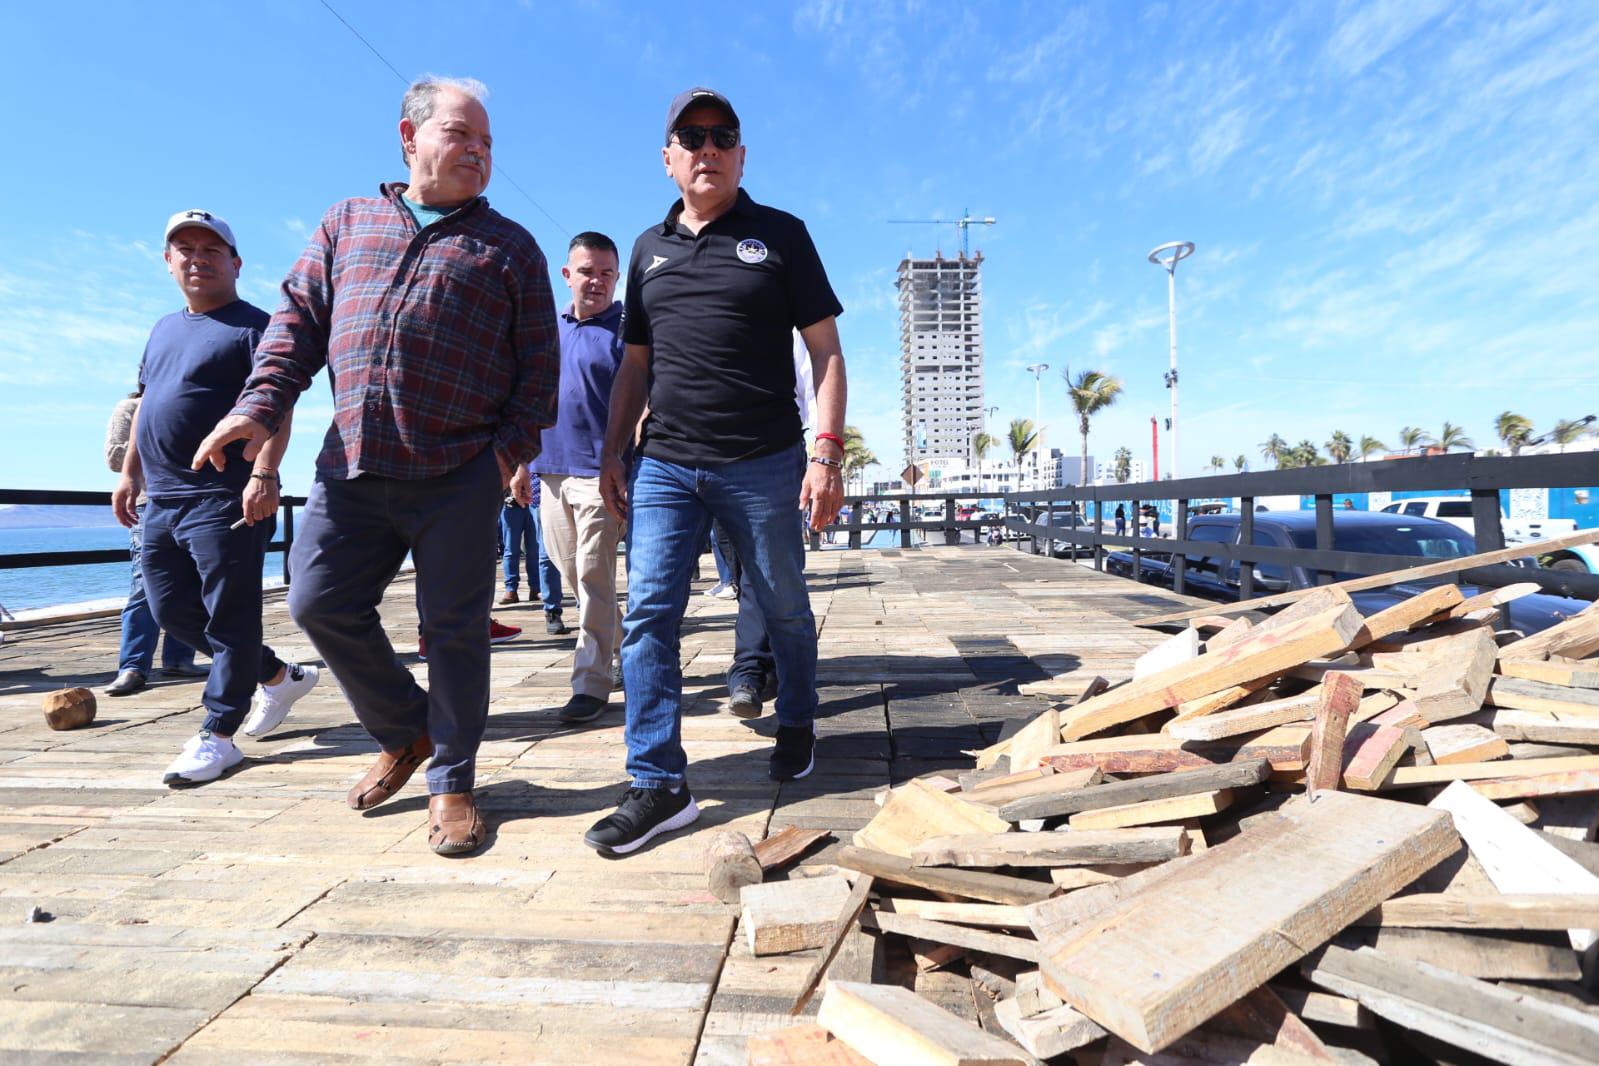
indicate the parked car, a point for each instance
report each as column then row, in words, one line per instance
column 1374, row 532
column 1456, row 510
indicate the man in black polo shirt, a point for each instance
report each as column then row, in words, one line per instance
column 713, row 293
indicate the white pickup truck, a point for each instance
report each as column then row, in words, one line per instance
column 1456, row 510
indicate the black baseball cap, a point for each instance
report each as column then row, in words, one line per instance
column 687, row 99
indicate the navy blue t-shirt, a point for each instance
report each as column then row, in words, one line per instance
column 193, row 370
column 591, row 350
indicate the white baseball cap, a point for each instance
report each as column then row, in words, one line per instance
column 204, row 220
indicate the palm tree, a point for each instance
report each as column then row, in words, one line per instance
column 1124, row 465
column 1240, row 464
column 1369, row 445
column 1022, row 438
column 1217, row 463
column 1515, row 430
column 1413, row 437
column 981, row 442
column 1339, row 447
column 1089, row 392
column 1566, row 430
column 1272, row 451
column 857, row 456
column 1452, row 436
column 1305, row 453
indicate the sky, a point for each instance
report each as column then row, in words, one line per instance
column 1394, row 203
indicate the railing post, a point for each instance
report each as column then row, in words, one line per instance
column 288, row 539
column 1049, row 529
column 1099, row 531
column 1485, row 518
column 1179, row 561
column 1138, row 552
column 855, row 524
column 905, row 523
column 1324, row 533
column 951, row 534
column 1246, row 538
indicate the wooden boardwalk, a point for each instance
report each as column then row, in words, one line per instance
column 258, row 919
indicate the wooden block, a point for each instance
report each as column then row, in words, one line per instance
column 1285, row 747
column 1338, row 698
column 1152, row 812
column 959, row 936
column 1257, row 655
column 1047, row 1033
column 1038, row 736
column 1403, row 714
column 1458, row 682
column 1504, row 1026
column 1517, row 859
column 967, row 884
column 1057, row 848
column 1471, row 954
column 1048, row 781
column 914, row 813
column 1033, row 996
column 1120, row 793
column 787, row 916
column 730, row 864
column 846, row 919
column 1372, row 751
column 1457, row 743
column 1451, row 910
column 782, row 848
column 1569, row 672
column 68, row 708
column 1540, row 696
column 1173, row 651
column 987, row 915
column 1166, row 957
column 1412, row 776
column 892, row 1026
column 1407, row 613
column 801, row 1045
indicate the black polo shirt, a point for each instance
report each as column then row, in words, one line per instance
column 718, row 310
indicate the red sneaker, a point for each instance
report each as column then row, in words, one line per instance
column 499, row 634
column 422, row 647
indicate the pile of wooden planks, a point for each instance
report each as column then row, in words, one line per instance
column 1312, row 837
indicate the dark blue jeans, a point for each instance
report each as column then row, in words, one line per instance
column 522, row 533
column 140, row 634
column 347, row 551
column 203, row 581
column 670, row 508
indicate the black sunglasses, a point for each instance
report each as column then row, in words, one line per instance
column 693, row 137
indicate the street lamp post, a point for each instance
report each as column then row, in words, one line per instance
column 1037, row 370
column 1168, row 256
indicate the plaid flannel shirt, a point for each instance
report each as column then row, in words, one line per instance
column 438, row 341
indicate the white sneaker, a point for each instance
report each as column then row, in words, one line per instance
column 272, row 702
column 727, row 592
column 205, row 757
column 714, row 591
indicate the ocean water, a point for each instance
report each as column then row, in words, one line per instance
column 49, row 586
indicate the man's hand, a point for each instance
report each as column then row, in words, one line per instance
column 822, row 492
column 506, row 469
column 260, row 499
column 230, row 429
column 522, row 486
column 613, row 486
column 123, row 500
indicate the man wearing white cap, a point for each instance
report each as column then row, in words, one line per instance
column 206, row 531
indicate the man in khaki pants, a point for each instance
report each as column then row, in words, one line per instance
column 580, row 535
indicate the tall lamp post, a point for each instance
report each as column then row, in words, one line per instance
column 1037, row 370
column 1167, row 256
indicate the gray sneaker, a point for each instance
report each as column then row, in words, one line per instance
column 745, row 702
column 581, row 708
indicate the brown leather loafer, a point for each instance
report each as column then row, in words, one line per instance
column 454, row 825
column 389, row 774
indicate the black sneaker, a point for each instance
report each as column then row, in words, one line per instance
column 745, row 702
column 581, row 708
column 641, row 816
column 795, row 754
column 553, row 624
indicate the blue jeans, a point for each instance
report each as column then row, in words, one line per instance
column 670, row 508
column 727, row 572
column 139, row 630
column 521, row 533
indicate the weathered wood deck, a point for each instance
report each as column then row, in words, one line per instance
column 258, row 919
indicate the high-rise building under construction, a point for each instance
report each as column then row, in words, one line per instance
column 941, row 356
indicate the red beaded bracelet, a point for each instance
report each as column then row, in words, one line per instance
column 834, row 437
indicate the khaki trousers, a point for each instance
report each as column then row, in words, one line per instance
column 580, row 537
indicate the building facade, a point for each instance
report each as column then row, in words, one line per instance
column 941, row 356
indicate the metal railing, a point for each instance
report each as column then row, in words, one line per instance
column 949, row 525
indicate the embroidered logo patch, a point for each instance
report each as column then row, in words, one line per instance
column 751, row 250
column 655, row 261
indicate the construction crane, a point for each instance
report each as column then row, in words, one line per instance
column 963, row 223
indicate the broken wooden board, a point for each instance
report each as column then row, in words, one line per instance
column 1504, row 1026
column 1337, row 699
column 1229, row 634
column 1575, row 637
column 1412, row 776
column 1540, row 696
column 1043, row 785
column 914, row 812
column 1173, row 651
column 1163, row 959
column 1152, row 812
column 782, row 848
column 959, row 936
column 801, row 1045
column 1372, row 751
column 1557, row 671
column 892, row 1026
column 1463, row 742
column 1285, row 747
column 1457, row 682
column 1532, row 786
column 1452, row 910
column 1544, row 727
column 1048, row 1033
column 1219, row 700
column 1120, row 793
column 1493, row 598
column 1033, row 739
column 785, row 916
column 967, row 884
column 843, row 923
column 1248, row 719
column 1054, row 848
column 1517, row 859
column 1407, row 613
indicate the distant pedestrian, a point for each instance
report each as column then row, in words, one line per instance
column 1121, row 520
column 1349, row 505
column 522, row 535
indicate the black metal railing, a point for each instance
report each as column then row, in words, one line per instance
column 904, row 509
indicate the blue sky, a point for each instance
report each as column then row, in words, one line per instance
column 1394, row 203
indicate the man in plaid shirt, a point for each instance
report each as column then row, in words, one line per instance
column 434, row 316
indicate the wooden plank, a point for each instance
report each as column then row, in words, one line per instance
column 1493, row 598
column 960, row 936
column 782, row 848
column 1412, row 776
column 1257, row 655
column 1219, row 700
column 967, row 884
column 1377, row 581
column 1570, row 672
column 1504, row 1026
column 1451, row 910
column 801, row 1045
column 785, row 916
column 892, row 1026
column 1054, row 848
column 1048, row 1033
column 1173, row 651
column 1120, row 793
column 1408, row 612
column 1570, row 783
column 1542, row 726
column 1248, row 719
column 1044, row 784
column 1285, row 747
column 1372, row 751
column 1539, row 696
column 1152, row 812
column 1323, row 1008
column 1575, row 637
column 1231, row 633
column 985, row 915
column 1517, row 859
column 1471, row 954
column 1337, row 699
column 914, row 813
column 1463, row 742
column 1032, row 740
column 847, row 916
column 1165, row 958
